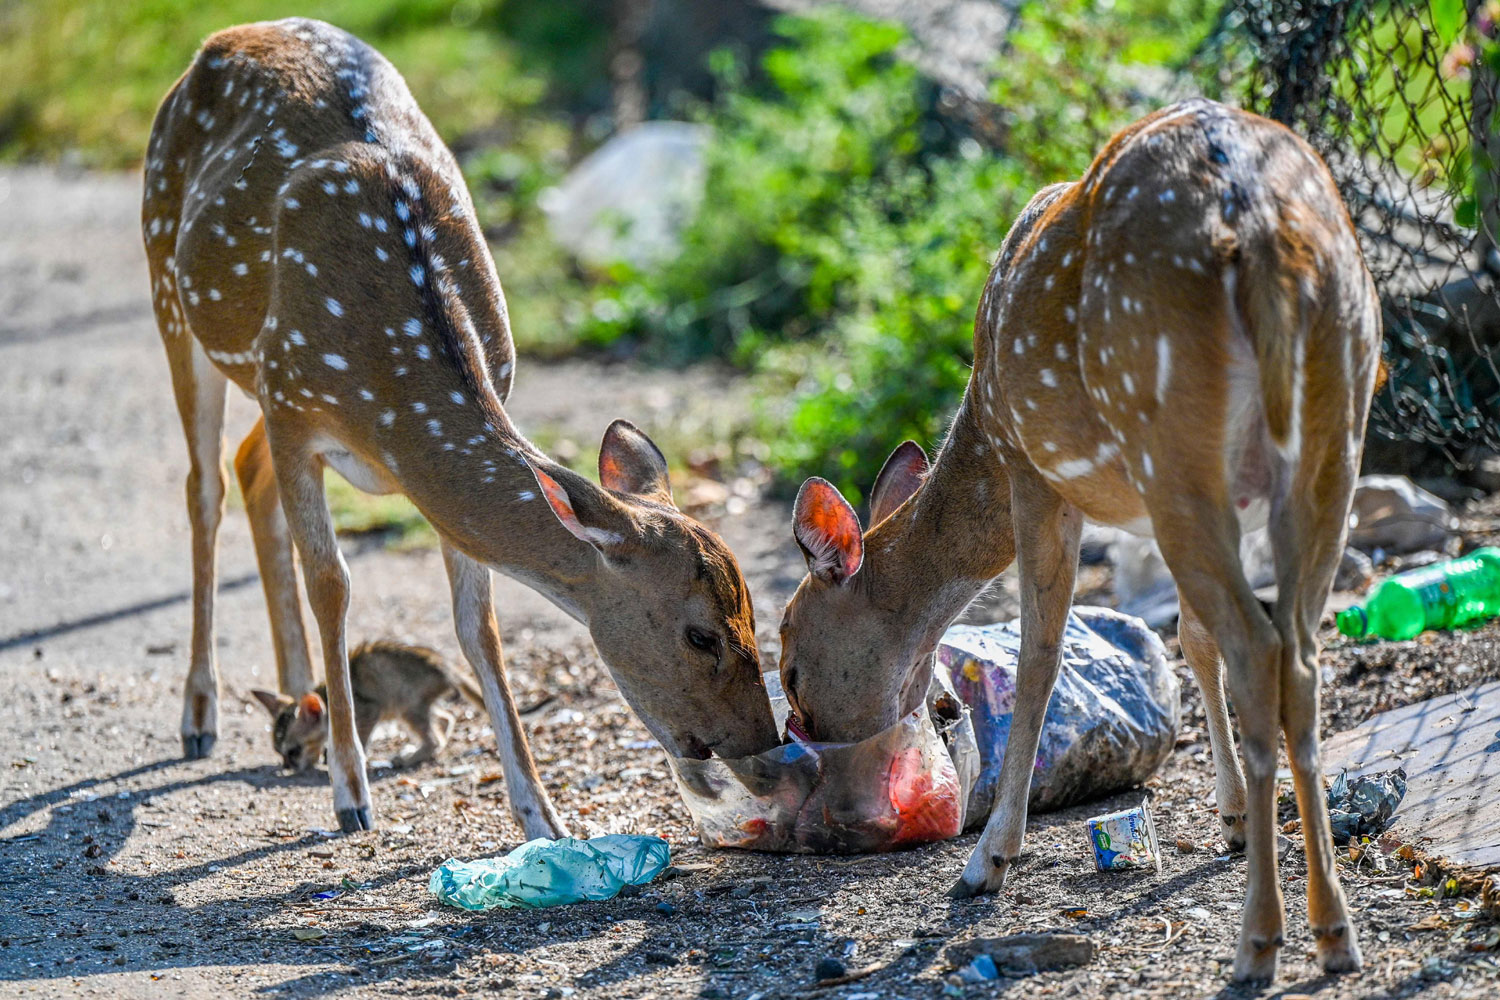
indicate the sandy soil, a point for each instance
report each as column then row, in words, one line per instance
column 127, row 872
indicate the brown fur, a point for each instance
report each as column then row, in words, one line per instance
column 1185, row 337
column 311, row 240
column 389, row 681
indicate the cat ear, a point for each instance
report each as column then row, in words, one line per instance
column 272, row 701
column 311, row 707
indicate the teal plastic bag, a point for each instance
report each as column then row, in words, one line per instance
column 545, row 872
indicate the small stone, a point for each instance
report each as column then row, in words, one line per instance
column 1185, row 846
column 665, row 909
column 829, row 968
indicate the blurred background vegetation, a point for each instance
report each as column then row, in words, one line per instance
column 852, row 198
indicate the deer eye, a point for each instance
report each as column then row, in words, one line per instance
column 699, row 639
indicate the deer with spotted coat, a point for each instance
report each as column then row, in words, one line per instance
column 1183, row 343
column 312, row 241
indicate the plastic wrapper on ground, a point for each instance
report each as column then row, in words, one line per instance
column 551, row 872
column 1111, row 722
column 1363, row 806
column 897, row 788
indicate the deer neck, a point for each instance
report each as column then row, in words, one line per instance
column 482, row 498
column 933, row 555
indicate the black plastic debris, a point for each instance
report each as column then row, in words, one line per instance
column 1363, row 806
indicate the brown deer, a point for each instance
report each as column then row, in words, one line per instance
column 312, row 241
column 1183, row 344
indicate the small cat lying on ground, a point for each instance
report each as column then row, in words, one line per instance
column 389, row 681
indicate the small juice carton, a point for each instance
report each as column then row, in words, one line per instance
column 1125, row 839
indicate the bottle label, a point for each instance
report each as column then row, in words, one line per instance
column 1434, row 587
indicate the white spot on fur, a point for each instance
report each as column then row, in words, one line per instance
column 1163, row 366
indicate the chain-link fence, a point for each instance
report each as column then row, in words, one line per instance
column 1399, row 97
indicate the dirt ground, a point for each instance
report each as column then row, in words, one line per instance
column 127, row 872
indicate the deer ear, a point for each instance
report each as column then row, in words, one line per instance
column 567, row 510
column 898, row 480
column 630, row 462
column 827, row 529
column 272, row 701
column 311, row 707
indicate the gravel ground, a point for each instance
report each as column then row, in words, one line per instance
column 127, row 872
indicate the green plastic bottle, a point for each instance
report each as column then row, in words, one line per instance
column 1441, row 596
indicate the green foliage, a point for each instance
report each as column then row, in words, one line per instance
column 847, row 230
column 1077, row 71
column 85, row 76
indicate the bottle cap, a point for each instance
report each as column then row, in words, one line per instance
column 1353, row 622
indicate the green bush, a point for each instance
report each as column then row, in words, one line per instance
column 847, row 230
column 84, row 76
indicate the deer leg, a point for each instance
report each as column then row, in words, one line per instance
column 1307, row 538
column 278, row 568
column 1202, row 655
column 479, row 637
column 326, row 577
column 200, row 391
column 1202, row 551
column 1047, row 536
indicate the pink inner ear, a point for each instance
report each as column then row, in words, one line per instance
column 828, row 529
column 557, row 499
column 311, row 705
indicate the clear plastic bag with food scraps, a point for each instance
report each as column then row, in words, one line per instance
column 907, row 785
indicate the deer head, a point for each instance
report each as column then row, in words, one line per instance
column 851, row 661
column 667, row 607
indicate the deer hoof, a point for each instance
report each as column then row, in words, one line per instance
column 1256, row 961
column 1337, row 949
column 980, row 879
column 355, row 819
column 964, row 889
column 196, row 746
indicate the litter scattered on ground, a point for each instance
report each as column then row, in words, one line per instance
column 897, row 788
column 1021, row 954
column 1124, row 839
column 1363, row 806
column 545, row 872
column 1443, row 595
column 1144, row 588
column 1449, row 749
column 1391, row 515
column 1112, row 719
